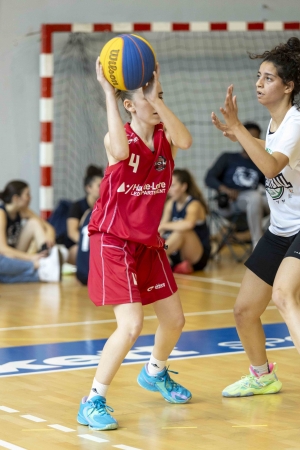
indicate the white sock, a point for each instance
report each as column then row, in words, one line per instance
column 98, row 389
column 261, row 370
column 154, row 366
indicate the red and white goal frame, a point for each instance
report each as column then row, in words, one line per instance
column 47, row 73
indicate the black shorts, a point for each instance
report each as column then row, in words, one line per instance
column 269, row 253
column 199, row 265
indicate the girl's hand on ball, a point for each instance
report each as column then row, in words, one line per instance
column 107, row 87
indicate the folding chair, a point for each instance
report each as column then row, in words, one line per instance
column 226, row 229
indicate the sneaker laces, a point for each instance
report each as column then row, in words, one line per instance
column 101, row 407
column 246, row 380
column 170, row 384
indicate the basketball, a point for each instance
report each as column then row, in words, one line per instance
column 128, row 61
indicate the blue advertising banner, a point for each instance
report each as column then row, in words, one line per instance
column 63, row 356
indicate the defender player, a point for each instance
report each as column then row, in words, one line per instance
column 274, row 266
column 128, row 264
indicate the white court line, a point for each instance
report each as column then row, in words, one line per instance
column 207, row 280
column 95, row 322
column 219, row 311
column 54, row 325
column 61, row 428
column 8, row 410
column 125, row 447
column 10, row 446
column 33, row 418
column 89, row 437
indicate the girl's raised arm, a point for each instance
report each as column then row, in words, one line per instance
column 177, row 132
column 269, row 165
column 115, row 142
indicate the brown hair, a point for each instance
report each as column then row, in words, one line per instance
column 15, row 187
column 184, row 176
column 286, row 59
column 123, row 95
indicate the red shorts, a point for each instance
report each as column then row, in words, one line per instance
column 126, row 272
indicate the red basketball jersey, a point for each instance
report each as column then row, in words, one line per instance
column 133, row 191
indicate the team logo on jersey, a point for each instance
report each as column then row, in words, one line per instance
column 160, row 164
column 275, row 186
column 146, row 189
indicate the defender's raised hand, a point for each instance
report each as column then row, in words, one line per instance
column 230, row 109
column 223, row 127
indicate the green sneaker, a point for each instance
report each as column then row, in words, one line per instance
column 254, row 385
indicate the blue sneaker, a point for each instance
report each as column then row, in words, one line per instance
column 171, row 391
column 95, row 413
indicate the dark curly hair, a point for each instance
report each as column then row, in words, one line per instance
column 286, row 59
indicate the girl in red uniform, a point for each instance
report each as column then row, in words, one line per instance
column 128, row 264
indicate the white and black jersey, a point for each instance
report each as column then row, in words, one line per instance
column 284, row 189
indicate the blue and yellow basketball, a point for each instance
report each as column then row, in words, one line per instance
column 128, row 61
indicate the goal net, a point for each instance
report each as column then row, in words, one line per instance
column 196, row 69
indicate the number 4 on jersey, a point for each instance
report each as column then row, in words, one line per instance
column 134, row 162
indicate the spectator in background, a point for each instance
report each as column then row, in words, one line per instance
column 83, row 253
column 20, row 227
column 92, row 180
column 183, row 224
column 238, row 181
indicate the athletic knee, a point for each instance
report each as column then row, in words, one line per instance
column 133, row 329
column 241, row 313
column 284, row 297
column 181, row 322
column 177, row 322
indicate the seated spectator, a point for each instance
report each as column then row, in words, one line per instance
column 240, row 186
column 183, row 224
column 83, row 254
column 92, row 182
column 19, row 228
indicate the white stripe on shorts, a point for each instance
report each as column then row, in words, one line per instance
column 103, row 274
column 127, row 270
column 164, row 271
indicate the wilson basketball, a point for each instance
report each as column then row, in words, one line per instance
column 128, row 61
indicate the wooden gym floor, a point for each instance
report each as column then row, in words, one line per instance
column 38, row 406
